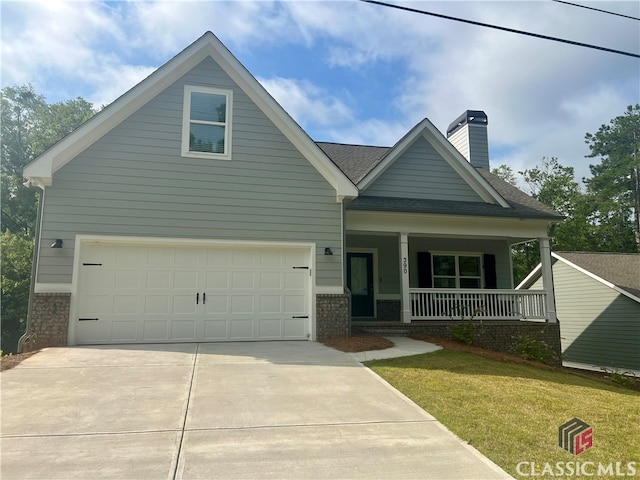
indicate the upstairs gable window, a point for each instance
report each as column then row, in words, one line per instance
column 206, row 128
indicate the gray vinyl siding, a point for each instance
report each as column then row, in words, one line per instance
column 598, row 326
column 134, row 182
column 421, row 172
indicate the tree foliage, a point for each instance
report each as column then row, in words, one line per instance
column 15, row 251
column 615, row 182
column 29, row 126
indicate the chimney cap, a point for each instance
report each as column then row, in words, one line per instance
column 477, row 117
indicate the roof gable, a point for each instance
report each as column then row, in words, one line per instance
column 421, row 173
column 618, row 271
column 41, row 170
column 425, row 130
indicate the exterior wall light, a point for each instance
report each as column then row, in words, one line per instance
column 327, row 251
column 57, row 243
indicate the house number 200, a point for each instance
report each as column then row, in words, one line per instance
column 404, row 265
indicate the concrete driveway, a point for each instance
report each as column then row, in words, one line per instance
column 203, row 411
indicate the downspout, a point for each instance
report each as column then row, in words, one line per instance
column 34, row 268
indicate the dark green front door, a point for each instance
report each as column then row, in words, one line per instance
column 360, row 283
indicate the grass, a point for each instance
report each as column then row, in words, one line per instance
column 511, row 413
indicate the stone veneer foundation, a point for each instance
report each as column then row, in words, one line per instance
column 332, row 316
column 49, row 321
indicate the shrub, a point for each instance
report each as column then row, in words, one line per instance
column 534, row 350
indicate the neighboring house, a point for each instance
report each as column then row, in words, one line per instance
column 194, row 208
column 598, row 307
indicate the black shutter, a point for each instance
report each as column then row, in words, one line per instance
column 490, row 277
column 424, row 270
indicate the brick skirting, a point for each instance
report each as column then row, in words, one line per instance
column 332, row 316
column 49, row 322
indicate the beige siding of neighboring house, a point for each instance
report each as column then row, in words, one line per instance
column 135, row 182
column 421, row 172
column 598, row 326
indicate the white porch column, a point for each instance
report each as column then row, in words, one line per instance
column 404, row 279
column 547, row 278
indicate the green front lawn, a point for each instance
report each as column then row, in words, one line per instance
column 511, row 413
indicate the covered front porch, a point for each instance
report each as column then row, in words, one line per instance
column 441, row 269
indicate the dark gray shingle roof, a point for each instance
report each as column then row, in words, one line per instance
column 356, row 161
column 621, row 269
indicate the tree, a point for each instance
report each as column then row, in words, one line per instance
column 15, row 252
column 29, row 126
column 615, row 182
column 506, row 173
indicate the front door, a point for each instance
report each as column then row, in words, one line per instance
column 360, row 283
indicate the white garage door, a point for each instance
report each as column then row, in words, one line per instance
column 137, row 293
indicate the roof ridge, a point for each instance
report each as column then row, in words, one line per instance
column 352, row 144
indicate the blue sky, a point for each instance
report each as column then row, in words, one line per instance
column 353, row 72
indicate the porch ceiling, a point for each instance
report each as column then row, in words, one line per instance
column 514, row 230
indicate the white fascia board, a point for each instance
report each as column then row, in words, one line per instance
column 273, row 110
column 531, row 278
column 462, row 167
column 596, row 277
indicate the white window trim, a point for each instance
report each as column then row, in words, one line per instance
column 186, row 121
column 457, row 265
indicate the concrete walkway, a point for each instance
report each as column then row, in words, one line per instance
column 402, row 347
column 202, row 411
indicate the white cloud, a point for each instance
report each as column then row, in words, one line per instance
column 308, row 103
column 541, row 97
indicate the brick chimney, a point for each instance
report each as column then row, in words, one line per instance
column 468, row 133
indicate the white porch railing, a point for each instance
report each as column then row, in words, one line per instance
column 457, row 304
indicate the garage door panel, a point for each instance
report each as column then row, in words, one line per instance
column 295, row 304
column 217, row 279
column 160, row 256
column 243, row 258
column 159, row 279
column 241, row 328
column 241, row 304
column 216, row 330
column 125, row 304
column 217, row 304
column 294, row 328
column 242, row 280
column 127, row 279
column 270, row 258
column 156, row 293
column 124, row 330
column 270, row 280
column 270, row 328
column 156, row 304
column 186, row 279
column 183, row 330
column 155, row 330
column 99, row 278
column 183, row 304
column 269, row 304
column 94, row 331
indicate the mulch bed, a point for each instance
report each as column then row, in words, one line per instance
column 358, row 343
column 11, row 361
